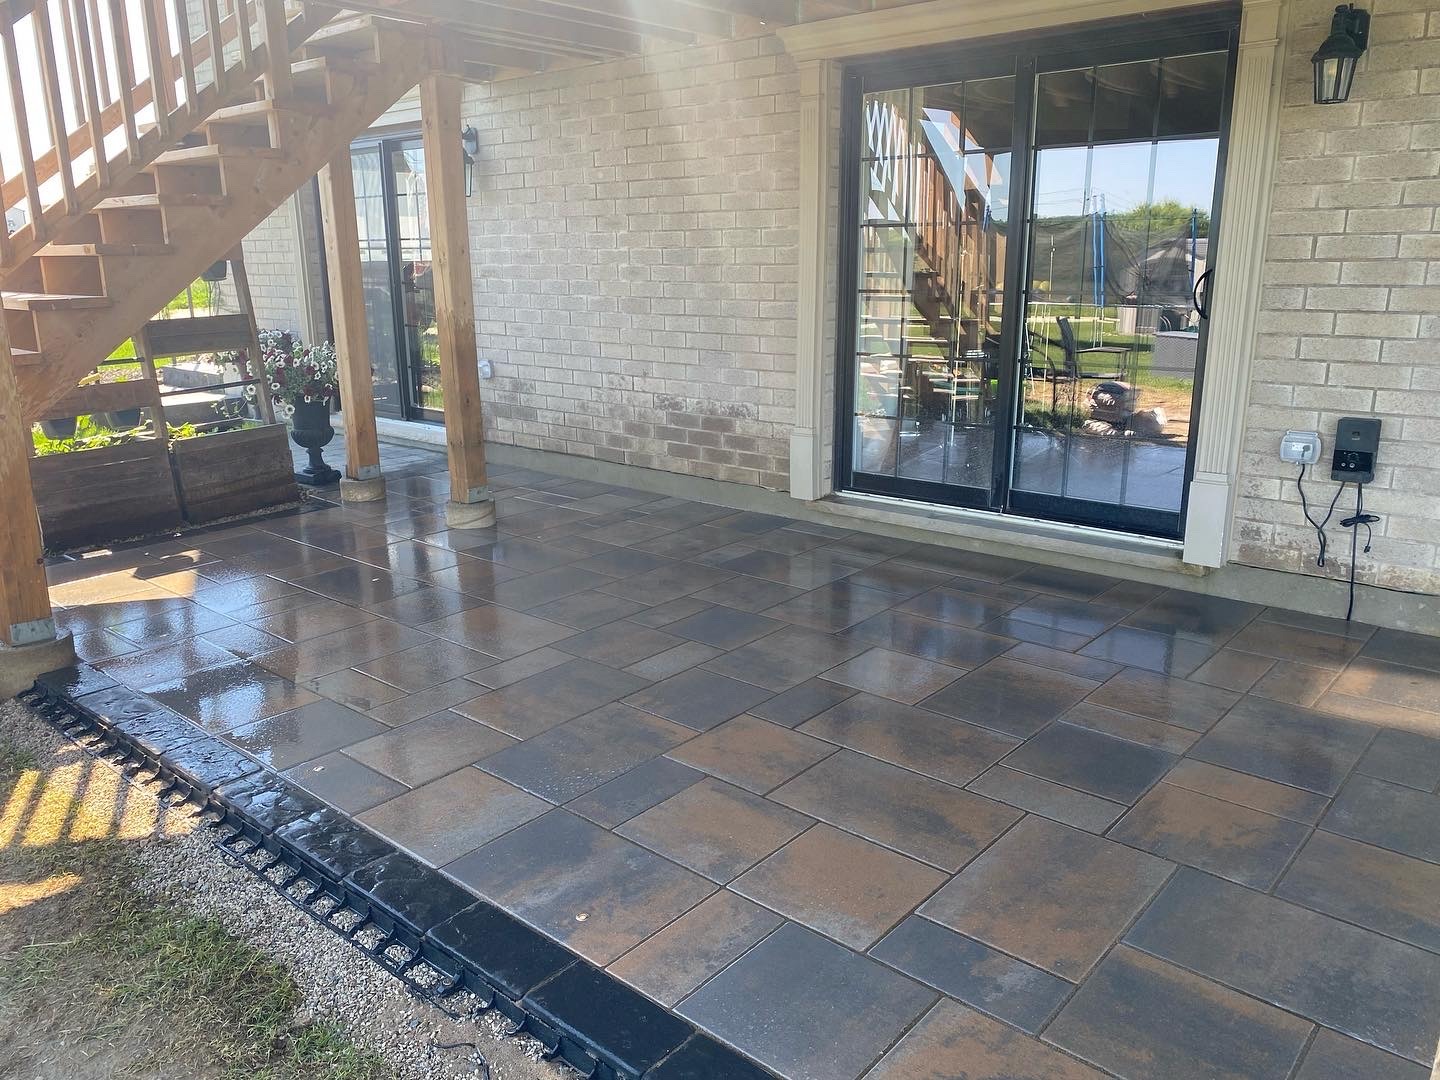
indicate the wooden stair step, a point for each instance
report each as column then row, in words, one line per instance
column 122, row 250
column 315, row 67
column 353, row 35
column 20, row 301
column 144, row 202
column 207, row 153
column 259, row 112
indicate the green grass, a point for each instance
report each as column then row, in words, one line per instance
column 108, row 964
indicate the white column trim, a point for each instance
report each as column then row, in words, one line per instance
column 807, row 446
column 1235, row 290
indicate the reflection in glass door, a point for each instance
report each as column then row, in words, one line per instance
column 1120, row 243
column 935, row 190
column 394, row 223
column 1029, row 274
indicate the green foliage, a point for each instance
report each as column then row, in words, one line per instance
column 89, row 435
column 1167, row 218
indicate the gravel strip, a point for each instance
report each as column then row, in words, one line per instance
column 339, row 984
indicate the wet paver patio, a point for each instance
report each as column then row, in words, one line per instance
column 855, row 805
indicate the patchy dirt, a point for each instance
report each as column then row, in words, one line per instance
column 129, row 946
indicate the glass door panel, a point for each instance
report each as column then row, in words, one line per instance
column 934, row 211
column 417, row 280
column 1119, row 242
column 367, row 164
column 393, row 216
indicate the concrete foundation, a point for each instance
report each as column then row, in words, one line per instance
column 20, row 665
column 476, row 515
column 362, row 491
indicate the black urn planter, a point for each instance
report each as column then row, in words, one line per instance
column 310, row 427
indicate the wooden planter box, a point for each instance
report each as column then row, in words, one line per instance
column 234, row 472
column 97, row 496
column 91, row 497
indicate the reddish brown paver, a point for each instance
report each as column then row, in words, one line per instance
column 662, row 668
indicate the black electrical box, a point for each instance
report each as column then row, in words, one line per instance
column 1357, row 440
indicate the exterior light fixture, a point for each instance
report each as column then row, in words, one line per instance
column 1335, row 59
column 470, row 146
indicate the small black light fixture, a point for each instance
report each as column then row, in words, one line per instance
column 1335, row 59
column 470, row 147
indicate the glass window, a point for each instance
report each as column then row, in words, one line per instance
column 934, row 216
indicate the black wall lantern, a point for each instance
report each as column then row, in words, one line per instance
column 1335, row 59
column 470, row 146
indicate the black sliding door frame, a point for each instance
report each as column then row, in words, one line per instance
column 1024, row 57
column 385, row 144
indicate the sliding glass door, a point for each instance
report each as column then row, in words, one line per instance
column 392, row 209
column 1029, row 273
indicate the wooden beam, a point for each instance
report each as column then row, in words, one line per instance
column 25, row 617
column 352, row 332
column 470, row 503
column 655, row 16
column 501, row 22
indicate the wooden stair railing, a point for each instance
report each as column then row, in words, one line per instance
column 90, row 112
column 75, row 298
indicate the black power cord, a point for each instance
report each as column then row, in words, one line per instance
column 1323, row 542
column 1353, row 523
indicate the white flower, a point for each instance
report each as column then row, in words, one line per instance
column 289, row 410
column 307, row 400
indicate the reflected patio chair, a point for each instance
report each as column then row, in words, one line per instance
column 1075, row 356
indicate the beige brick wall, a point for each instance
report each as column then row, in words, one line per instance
column 634, row 242
column 279, row 257
column 1350, row 308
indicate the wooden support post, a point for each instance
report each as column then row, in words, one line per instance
column 255, row 366
column 362, row 481
column 470, row 503
column 25, row 617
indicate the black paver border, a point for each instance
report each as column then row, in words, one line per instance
column 579, row 1012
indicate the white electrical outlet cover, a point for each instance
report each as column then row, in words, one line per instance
column 1300, row 447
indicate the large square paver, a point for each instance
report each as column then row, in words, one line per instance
column 695, row 946
column 635, row 791
column 785, row 658
column 1368, row 885
column 589, row 889
column 1286, row 743
column 753, row 753
column 1233, row 841
column 1006, row 695
column 913, row 814
column 443, row 819
column 539, row 702
column 304, row 733
column 953, row 1041
column 715, row 828
column 420, row 751
column 1387, row 815
column 1145, row 1019
column 1374, row 988
column 845, row 887
column 1051, row 895
column 806, row 1007
column 913, row 738
column 1101, row 764
column 1332, row 1056
column 571, row 759
column 894, row 675
column 698, row 699
column 973, row 972
column 498, row 631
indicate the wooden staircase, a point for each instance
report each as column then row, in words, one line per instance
column 151, row 184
